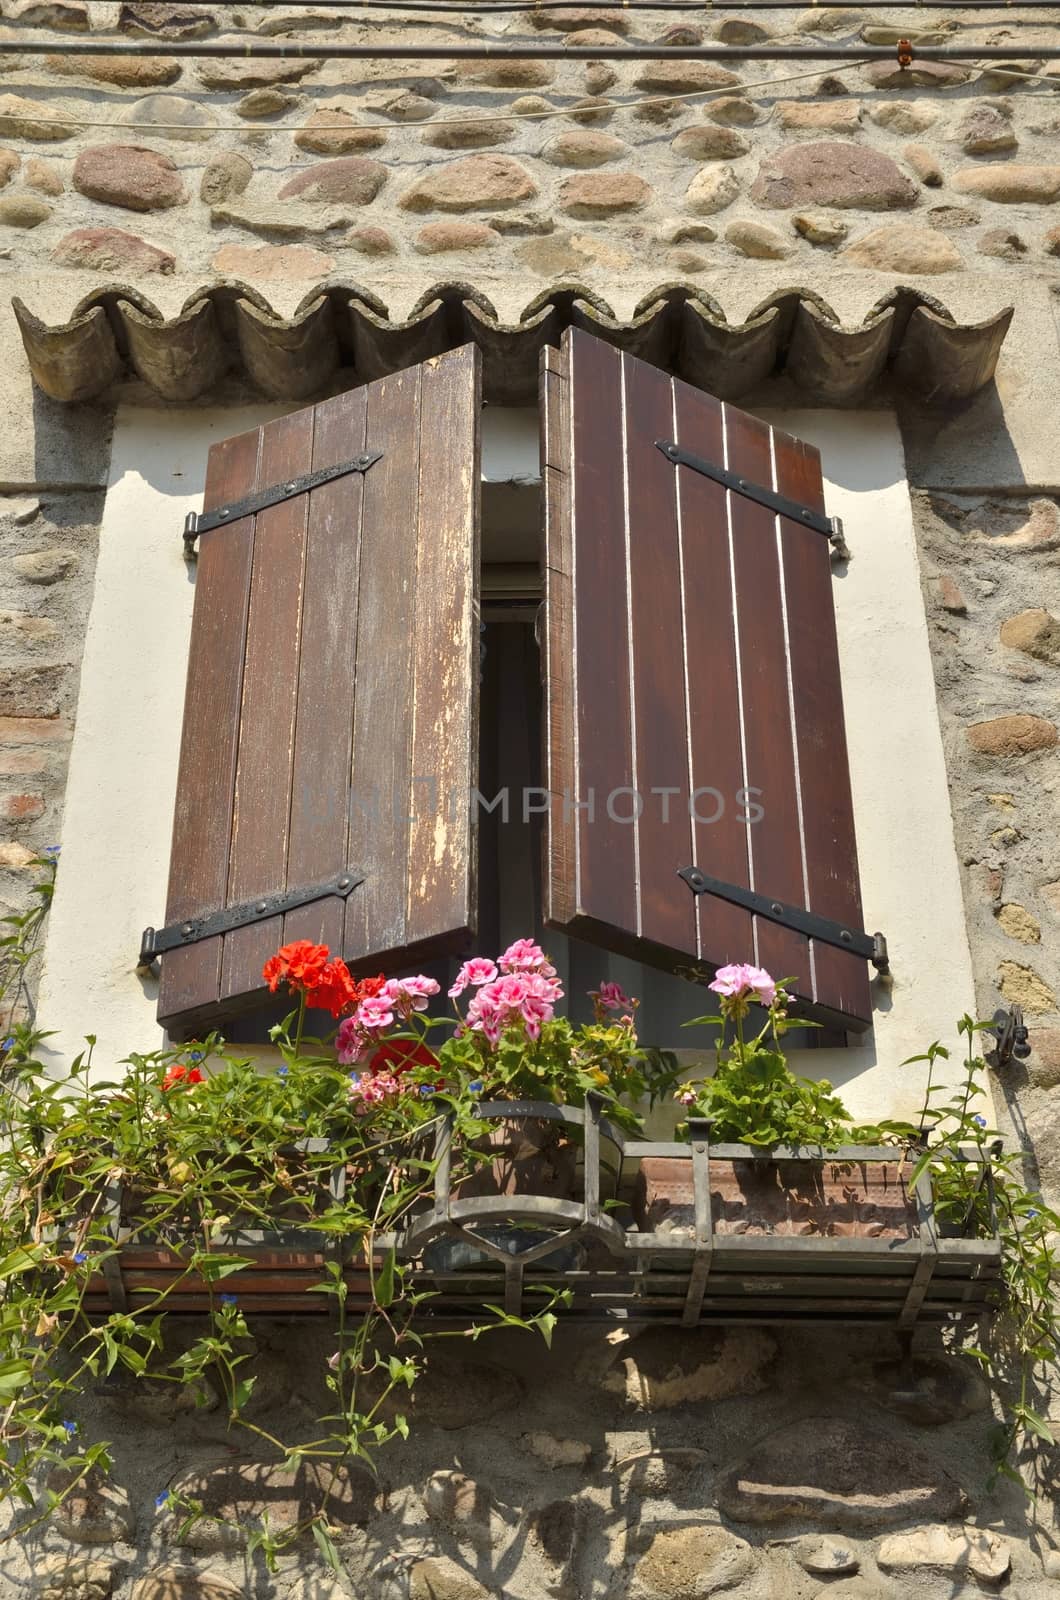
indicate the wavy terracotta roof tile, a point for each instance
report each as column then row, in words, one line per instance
column 116, row 332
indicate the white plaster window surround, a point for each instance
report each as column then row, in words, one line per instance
column 123, row 765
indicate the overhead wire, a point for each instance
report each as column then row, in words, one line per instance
column 267, row 50
column 573, row 112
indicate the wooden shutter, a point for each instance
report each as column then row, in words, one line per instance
column 331, row 712
column 691, row 645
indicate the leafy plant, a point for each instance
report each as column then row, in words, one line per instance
column 753, row 1097
column 978, row 1189
column 187, row 1151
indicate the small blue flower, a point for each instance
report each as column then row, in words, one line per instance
column 71, row 1427
column 281, row 1072
column 80, row 1257
column 195, row 1055
column 162, row 1499
column 9, row 1042
column 980, row 1120
column 425, row 1089
column 228, row 1300
column 476, row 1087
column 51, row 849
column 1032, row 1213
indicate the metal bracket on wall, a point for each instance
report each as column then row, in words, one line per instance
column 197, row 522
column 869, row 946
column 831, row 527
column 1013, row 1040
column 156, row 941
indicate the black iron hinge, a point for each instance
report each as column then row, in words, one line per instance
column 197, row 522
column 831, row 527
column 156, row 941
column 869, row 946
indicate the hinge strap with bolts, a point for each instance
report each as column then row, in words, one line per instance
column 780, row 504
column 197, row 522
column 156, row 941
column 869, row 946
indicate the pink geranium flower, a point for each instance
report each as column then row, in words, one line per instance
column 738, row 981
column 611, row 997
column 523, row 956
column 409, row 994
column 476, row 972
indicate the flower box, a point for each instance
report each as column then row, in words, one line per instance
column 725, row 1233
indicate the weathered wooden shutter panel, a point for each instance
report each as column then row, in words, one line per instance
column 691, row 646
column 331, row 712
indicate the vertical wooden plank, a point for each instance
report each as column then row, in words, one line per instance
column 381, row 790
column 776, row 841
column 720, row 846
column 607, row 873
column 261, row 811
column 324, row 719
column 202, row 816
column 841, row 981
column 663, row 832
column 559, row 841
column 445, row 654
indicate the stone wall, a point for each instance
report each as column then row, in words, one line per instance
column 292, row 169
column 798, row 1465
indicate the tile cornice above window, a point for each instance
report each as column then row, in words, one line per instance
column 907, row 337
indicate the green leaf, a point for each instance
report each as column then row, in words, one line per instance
column 327, row 1549
column 214, row 1267
column 384, row 1283
column 14, row 1375
column 22, row 1260
column 1034, row 1423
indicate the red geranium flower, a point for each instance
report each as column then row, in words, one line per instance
column 178, row 1073
column 334, row 990
column 299, row 965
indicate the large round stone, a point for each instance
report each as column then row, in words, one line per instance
column 290, row 263
column 332, row 131
column 900, row 247
column 128, row 175
column 477, row 183
column 111, row 250
column 583, row 149
column 350, row 180
column 1011, row 183
column 709, row 142
column 699, row 1559
column 712, row 190
column 603, row 194
column 683, row 77
column 1016, row 735
column 124, row 72
column 169, row 116
column 666, row 1367
column 836, row 1474
column 830, row 173
column 31, row 119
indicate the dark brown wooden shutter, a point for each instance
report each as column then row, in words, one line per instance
column 331, row 712
column 691, row 645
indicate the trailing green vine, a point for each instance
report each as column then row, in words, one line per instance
column 754, row 1098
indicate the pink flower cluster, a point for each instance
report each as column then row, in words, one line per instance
column 520, row 989
column 741, row 982
column 398, row 998
column 375, row 1088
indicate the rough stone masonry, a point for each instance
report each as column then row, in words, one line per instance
column 662, row 1465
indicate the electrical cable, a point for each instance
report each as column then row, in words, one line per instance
column 443, row 8
column 573, row 112
column 267, row 51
